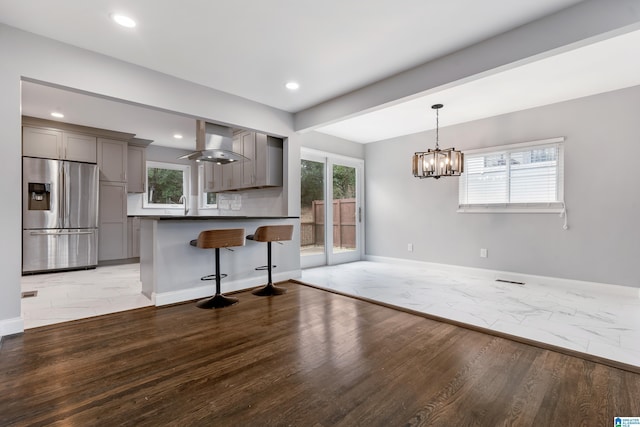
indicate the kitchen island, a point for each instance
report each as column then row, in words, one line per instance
column 170, row 268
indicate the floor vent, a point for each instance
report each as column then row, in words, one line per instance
column 513, row 282
column 29, row 294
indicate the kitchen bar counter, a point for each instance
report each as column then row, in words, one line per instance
column 207, row 217
column 170, row 268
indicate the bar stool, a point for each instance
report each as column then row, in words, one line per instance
column 271, row 233
column 216, row 239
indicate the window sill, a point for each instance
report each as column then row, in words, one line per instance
column 159, row 206
column 506, row 209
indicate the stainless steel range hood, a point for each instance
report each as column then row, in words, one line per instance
column 214, row 143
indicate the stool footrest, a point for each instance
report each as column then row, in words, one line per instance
column 212, row 277
column 265, row 267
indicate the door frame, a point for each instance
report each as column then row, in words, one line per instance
column 329, row 160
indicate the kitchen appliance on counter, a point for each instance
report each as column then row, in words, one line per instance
column 59, row 215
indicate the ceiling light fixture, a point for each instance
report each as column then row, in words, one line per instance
column 123, row 20
column 57, row 115
column 292, row 86
column 437, row 163
column 177, row 136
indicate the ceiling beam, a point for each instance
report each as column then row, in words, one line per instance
column 582, row 24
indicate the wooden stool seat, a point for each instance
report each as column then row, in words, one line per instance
column 216, row 239
column 269, row 234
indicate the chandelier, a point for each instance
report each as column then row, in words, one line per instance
column 437, row 163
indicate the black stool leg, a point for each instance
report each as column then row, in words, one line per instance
column 270, row 288
column 218, row 300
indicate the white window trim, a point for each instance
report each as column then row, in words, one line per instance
column 527, row 208
column 202, row 195
column 186, row 180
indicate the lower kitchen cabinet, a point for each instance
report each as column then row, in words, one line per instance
column 133, row 225
column 112, row 237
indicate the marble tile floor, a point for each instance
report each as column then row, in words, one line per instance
column 79, row 294
column 597, row 324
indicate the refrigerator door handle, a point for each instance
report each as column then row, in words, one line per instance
column 63, row 195
column 59, row 232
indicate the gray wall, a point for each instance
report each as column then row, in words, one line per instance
column 602, row 194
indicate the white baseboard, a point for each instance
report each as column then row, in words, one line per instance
column 11, row 326
column 554, row 282
column 166, row 298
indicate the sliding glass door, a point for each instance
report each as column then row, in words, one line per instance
column 312, row 212
column 331, row 233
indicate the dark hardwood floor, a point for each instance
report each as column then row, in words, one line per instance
column 306, row 358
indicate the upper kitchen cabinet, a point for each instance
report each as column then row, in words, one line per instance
column 261, row 168
column 213, row 179
column 56, row 144
column 268, row 164
column 248, row 146
column 112, row 160
column 136, row 166
column 237, row 175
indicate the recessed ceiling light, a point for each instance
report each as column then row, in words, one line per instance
column 123, row 20
column 292, row 86
column 57, row 115
column 177, row 136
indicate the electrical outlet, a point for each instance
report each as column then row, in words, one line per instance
column 484, row 253
column 410, row 247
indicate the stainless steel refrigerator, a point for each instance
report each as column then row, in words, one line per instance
column 59, row 215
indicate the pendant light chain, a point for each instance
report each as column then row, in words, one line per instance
column 437, row 128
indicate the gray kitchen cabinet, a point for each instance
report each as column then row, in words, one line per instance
column 81, row 148
column 133, row 225
column 213, row 180
column 262, row 168
column 57, row 144
column 248, row 143
column 112, row 160
column 136, row 169
column 268, row 163
column 112, row 240
column 232, row 172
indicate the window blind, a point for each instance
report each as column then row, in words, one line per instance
column 527, row 175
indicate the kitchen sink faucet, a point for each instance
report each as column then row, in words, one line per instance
column 185, row 202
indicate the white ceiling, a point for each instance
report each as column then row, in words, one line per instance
column 250, row 48
column 600, row 67
column 157, row 126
